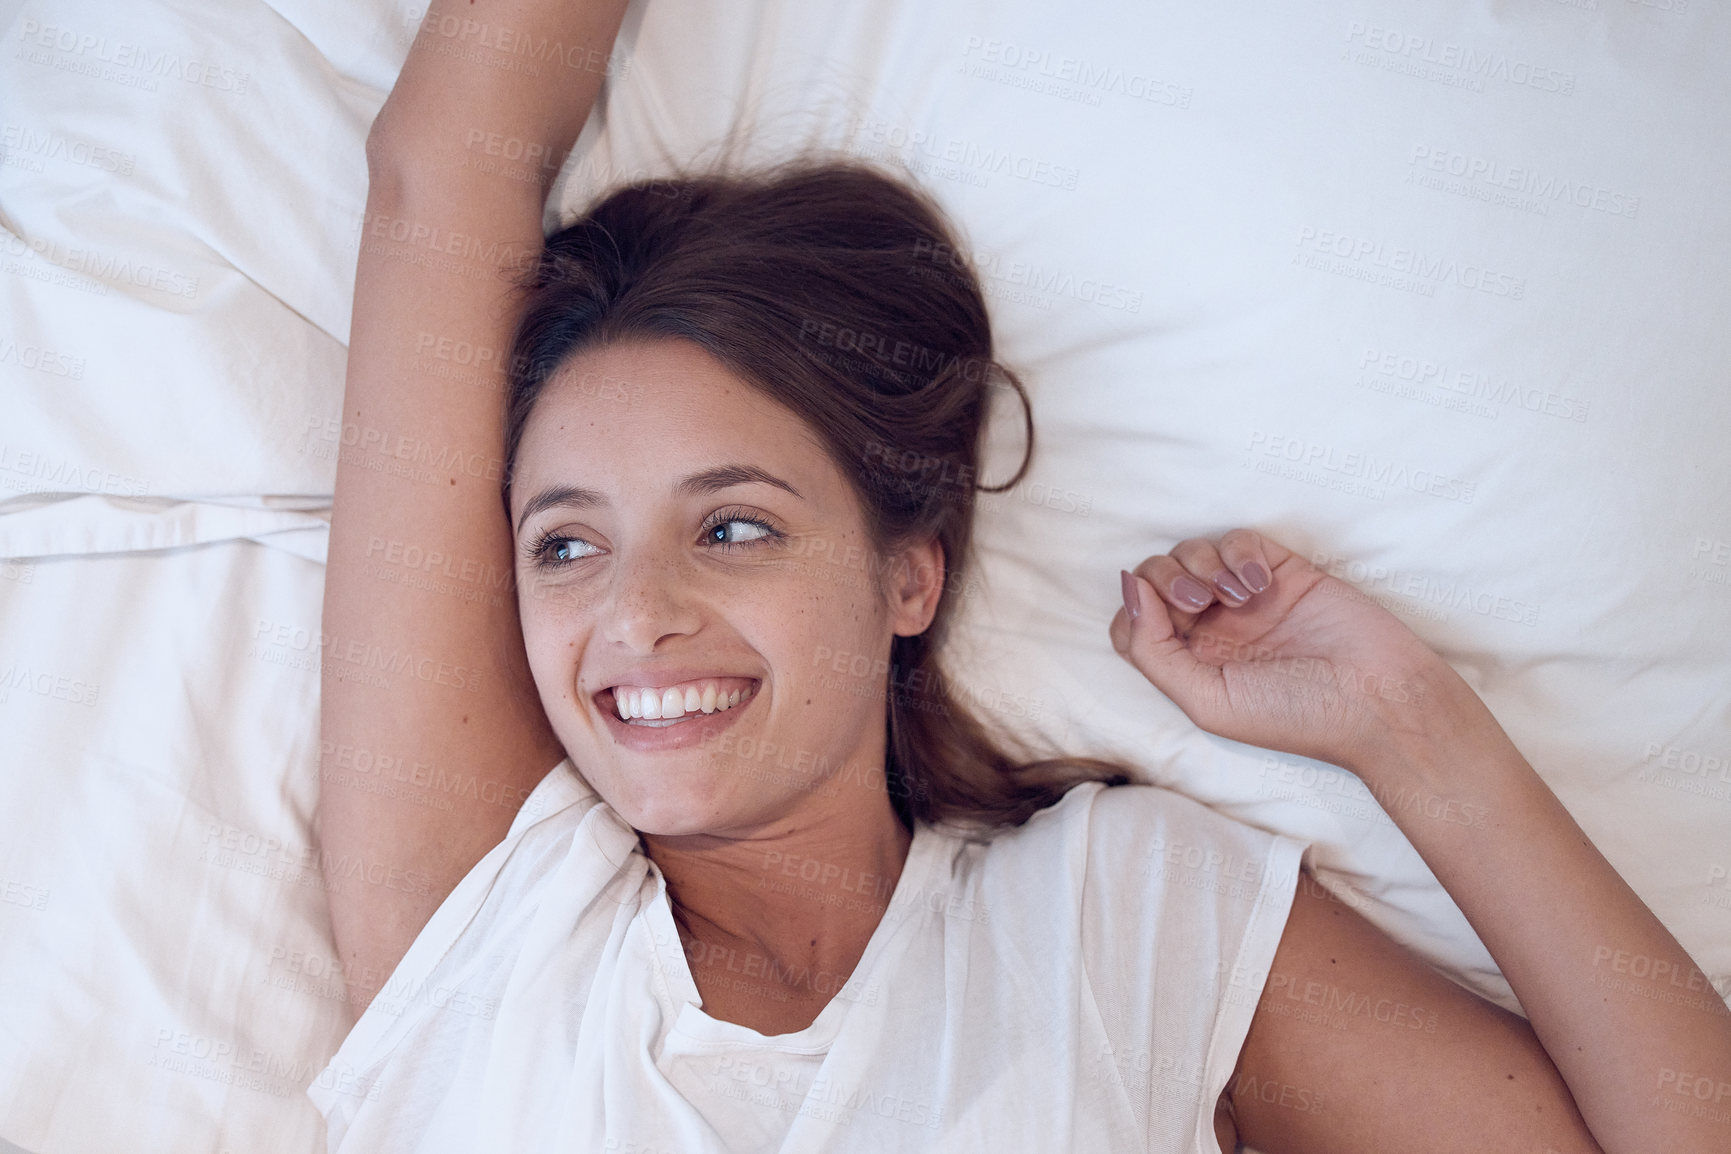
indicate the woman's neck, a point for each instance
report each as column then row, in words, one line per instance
column 775, row 922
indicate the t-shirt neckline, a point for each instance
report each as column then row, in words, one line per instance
column 692, row 1022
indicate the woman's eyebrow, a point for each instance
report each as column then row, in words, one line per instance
column 723, row 476
column 572, row 496
column 707, row 481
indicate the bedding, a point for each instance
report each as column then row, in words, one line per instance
column 1435, row 297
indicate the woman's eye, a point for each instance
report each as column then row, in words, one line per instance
column 737, row 531
column 559, row 549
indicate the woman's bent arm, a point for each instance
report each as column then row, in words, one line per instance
column 1306, row 664
column 1358, row 1047
column 1633, row 1042
column 1405, row 1059
column 431, row 732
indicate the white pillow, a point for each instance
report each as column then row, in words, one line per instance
column 1434, row 297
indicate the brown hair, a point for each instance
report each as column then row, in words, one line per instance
column 835, row 290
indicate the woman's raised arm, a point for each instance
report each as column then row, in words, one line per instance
column 431, row 733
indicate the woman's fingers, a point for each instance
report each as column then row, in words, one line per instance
column 1165, row 595
column 1201, row 560
column 1235, row 569
column 1186, row 596
column 1147, row 634
column 1247, row 554
column 1199, row 572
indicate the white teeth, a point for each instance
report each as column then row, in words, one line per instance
column 672, row 704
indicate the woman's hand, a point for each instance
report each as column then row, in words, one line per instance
column 1256, row 644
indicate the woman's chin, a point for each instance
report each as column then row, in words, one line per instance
column 674, row 810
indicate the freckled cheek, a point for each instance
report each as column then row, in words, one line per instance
column 554, row 650
column 835, row 657
column 553, row 601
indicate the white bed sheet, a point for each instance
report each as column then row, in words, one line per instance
column 1435, row 297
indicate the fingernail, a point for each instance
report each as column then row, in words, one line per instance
column 1191, row 592
column 1132, row 598
column 1232, row 586
column 1255, row 576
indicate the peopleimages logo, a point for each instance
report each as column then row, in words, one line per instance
column 1066, row 77
column 1422, row 589
column 1368, row 258
column 35, row 471
column 1379, row 368
column 1516, row 186
column 1431, row 59
column 968, row 155
column 1041, row 281
column 98, row 265
column 1379, row 472
column 20, row 143
column 42, row 360
column 107, row 58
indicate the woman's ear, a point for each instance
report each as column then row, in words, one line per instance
column 916, row 584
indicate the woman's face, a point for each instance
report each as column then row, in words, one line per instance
column 681, row 539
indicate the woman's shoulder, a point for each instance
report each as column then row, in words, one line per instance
column 1172, row 843
column 537, row 907
column 1097, row 813
column 564, row 836
column 1101, row 839
column 1148, row 814
column 563, row 849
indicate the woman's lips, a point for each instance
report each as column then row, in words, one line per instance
column 655, row 734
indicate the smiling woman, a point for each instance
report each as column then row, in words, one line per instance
column 781, row 891
column 716, row 313
column 647, row 590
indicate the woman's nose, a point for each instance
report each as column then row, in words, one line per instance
column 647, row 601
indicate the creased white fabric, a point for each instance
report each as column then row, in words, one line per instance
column 1257, row 265
column 1083, row 982
column 95, row 524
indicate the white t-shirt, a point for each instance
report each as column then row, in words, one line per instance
column 1083, row 982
